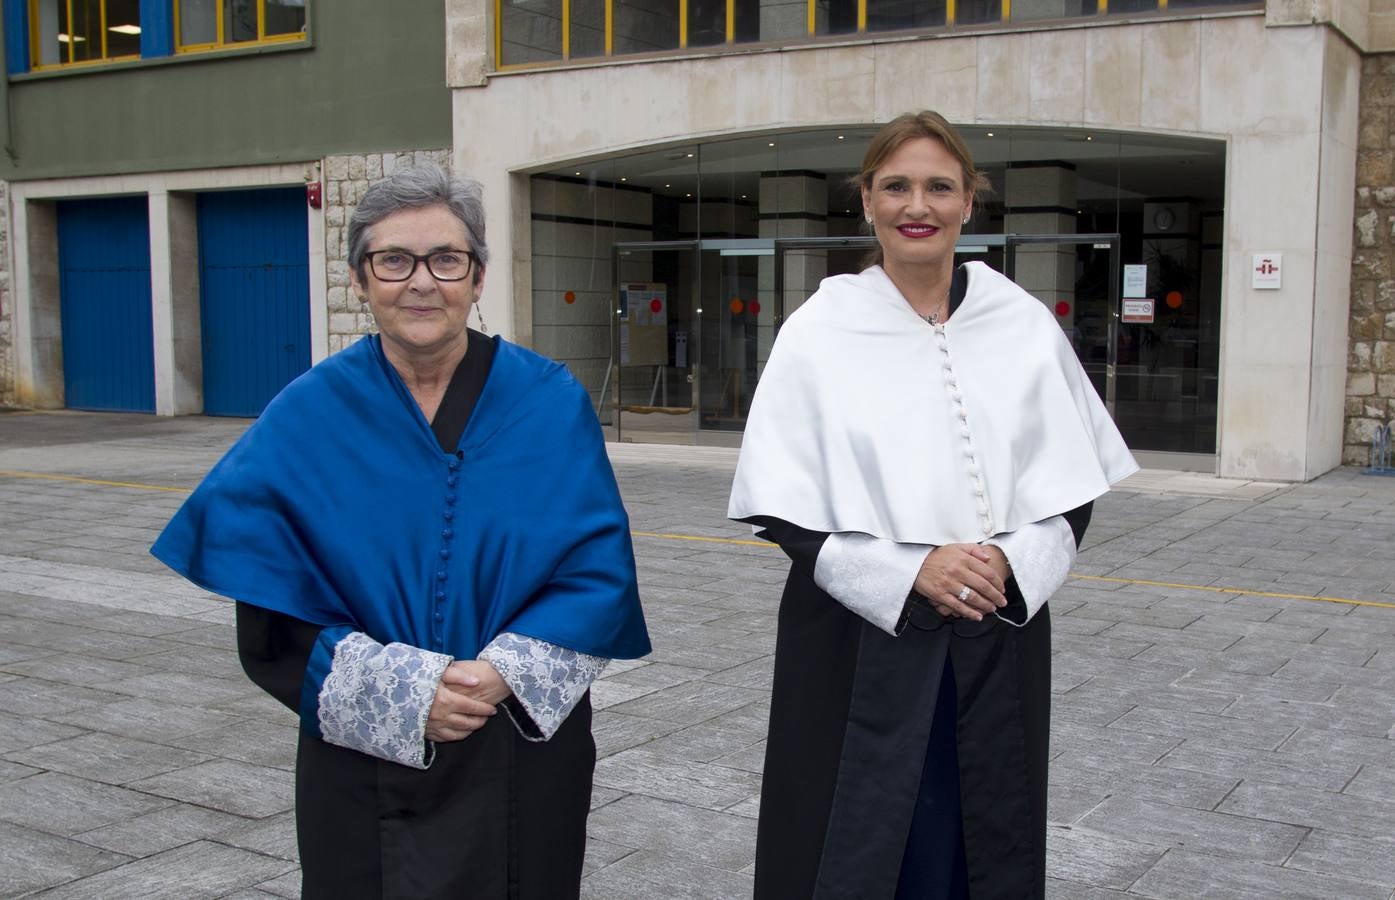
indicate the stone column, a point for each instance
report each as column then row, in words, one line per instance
column 1039, row 198
column 7, row 330
column 174, row 297
column 792, row 204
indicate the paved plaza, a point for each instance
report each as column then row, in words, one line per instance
column 1218, row 729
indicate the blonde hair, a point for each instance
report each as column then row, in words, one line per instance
column 908, row 127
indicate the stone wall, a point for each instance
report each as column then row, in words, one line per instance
column 8, row 395
column 1371, row 364
column 345, row 179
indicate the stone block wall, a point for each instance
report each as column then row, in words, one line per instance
column 345, row 179
column 8, row 394
column 1370, row 400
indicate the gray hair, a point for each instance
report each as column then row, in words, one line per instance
column 412, row 187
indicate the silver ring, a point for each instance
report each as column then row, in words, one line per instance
column 964, row 593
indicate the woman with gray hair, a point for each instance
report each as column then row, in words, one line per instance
column 420, row 530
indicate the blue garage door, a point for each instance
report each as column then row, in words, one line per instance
column 254, row 285
column 104, row 297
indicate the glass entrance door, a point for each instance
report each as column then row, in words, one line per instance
column 651, row 390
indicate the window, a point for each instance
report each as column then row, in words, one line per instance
column 212, row 24
column 65, row 32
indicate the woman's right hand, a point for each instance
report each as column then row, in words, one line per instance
column 454, row 714
column 949, row 569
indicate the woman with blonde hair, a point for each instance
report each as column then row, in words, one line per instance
column 925, row 447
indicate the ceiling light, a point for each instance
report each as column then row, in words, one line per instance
column 623, row 178
column 668, row 185
column 771, row 144
column 687, row 195
column 840, row 137
column 1089, row 137
column 125, row 29
column 990, row 134
column 78, row 39
column 576, row 173
column 690, row 156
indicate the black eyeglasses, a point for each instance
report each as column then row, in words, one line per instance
column 398, row 265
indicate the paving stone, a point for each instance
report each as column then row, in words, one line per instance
column 1311, row 808
column 1340, row 745
column 148, row 719
column 607, row 693
column 272, row 836
column 1057, row 889
column 1171, row 786
column 1364, row 857
column 64, row 805
column 640, row 771
column 1097, row 860
column 713, row 838
column 600, row 854
column 163, row 829
column 1185, row 875
column 234, row 787
column 645, row 875
column 287, row 885
column 34, row 860
column 67, row 668
column 1181, row 723
column 19, row 732
column 1161, row 825
column 614, row 732
column 1204, row 754
column 36, row 697
column 108, row 758
column 197, row 870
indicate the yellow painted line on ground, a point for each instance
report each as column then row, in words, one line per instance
column 698, row 538
column 706, row 540
column 43, row 476
column 1230, row 590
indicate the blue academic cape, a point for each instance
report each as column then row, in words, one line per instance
column 338, row 507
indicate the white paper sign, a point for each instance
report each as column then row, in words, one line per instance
column 1136, row 281
column 1266, row 271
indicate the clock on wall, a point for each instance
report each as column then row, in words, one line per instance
column 1164, row 218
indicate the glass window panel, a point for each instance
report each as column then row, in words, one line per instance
column 644, row 26
column 84, row 32
column 1204, row 4
column 588, row 28
column 978, row 12
column 893, row 15
column 1122, row 7
column 51, row 51
column 707, row 22
column 198, row 22
column 1033, row 10
column 532, row 31
column 285, row 17
column 239, row 21
column 772, row 21
column 123, row 28
column 835, row 16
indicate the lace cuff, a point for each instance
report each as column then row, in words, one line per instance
column 376, row 699
column 548, row 680
column 869, row 575
column 1041, row 555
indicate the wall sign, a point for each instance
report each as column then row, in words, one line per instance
column 1138, row 312
column 1266, row 271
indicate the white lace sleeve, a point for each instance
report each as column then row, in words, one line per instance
column 548, row 680
column 377, row 697
column 869, row 575
column 1041, row 555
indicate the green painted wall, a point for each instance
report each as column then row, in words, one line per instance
column 372, row 79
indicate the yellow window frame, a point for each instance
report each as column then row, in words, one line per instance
column 220, row 41
column 35, row 40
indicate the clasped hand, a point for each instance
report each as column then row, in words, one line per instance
column 949, row 569
column 465, row 699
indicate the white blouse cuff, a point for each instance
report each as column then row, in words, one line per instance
column 547, row 680
column 1041, row 555
column 869, row 575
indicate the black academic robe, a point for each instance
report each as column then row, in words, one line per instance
column 903, row 767
column 495, row 816
column 847, row 777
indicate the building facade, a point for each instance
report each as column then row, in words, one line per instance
column 1201, row 190
column 178, row 173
